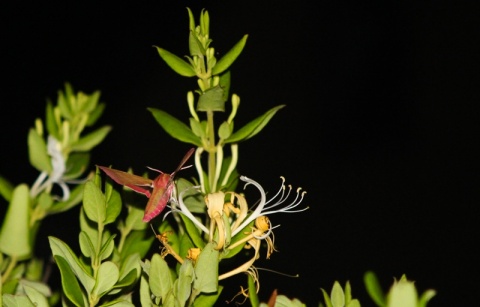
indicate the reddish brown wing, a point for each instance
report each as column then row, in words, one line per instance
column 131, row 181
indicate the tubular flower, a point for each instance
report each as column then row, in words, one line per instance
column 228, row 214
column 273, row 205
column 45, row 180
column 231, row 224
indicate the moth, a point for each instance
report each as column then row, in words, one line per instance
column 157, row 190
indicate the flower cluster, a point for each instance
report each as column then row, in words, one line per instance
column 231, row 222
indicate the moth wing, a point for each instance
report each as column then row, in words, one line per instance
column 131, row 181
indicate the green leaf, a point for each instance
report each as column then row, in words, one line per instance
column 180, row 66
column 130, row 265
column 402, row 294
column 175, row 128
column 225, row 84
column 127, row 281
column 193, row 232
column 348, row 293
column 95, row 114
column 204, row 23
column 70, row 286
column 94, row 202
column 145, row 292
column 35, row 271
column 107, row 277
column 37, row 152
column 50, row 122
column 228, row 253
column 183, row 285
column 337, row 296
column 15, row 233
column 197, row 128
column 10, row 300
column 107, row 248
column 59, row 248
column 76, row 165
column 185, row 245
column 253, row 127
column 90, row 227
column 354, row 303
column 134, row 218
column 114, row 207
column 135, row 243
column 88, row 102
column 211, row 100
column 6, row 189
column 160, row 280
column 44, row 203
column 90, row 140
column 10, row 286
column 63, row 101
column 86, row 246
column 426, row 297
column 252, row 291
column 206, row 270
column 35, row 296
column 173, row 240
column 209, row 299
column 75, row 198
column 282, row 300
column 225, row 130
column 193, row 199
column 195, row 46
column 118, row 303
column 374, row 289
column 326, row 298
column 230, row 57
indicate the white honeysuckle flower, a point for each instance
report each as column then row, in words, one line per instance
column 58, row 162
column 264, row 207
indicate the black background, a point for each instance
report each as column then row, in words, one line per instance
column 381, row 123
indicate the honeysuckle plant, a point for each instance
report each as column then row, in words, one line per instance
column 173, row 252
column 59, row 148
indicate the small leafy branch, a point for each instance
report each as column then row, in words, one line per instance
column 61, row 155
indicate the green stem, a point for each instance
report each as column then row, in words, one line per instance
column 96, row 261
column 211, row 151
column 11, row 266
column 123, row 236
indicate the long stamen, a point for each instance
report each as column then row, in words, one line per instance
column 288, row 209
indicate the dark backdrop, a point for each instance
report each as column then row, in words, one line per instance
column 380, row 128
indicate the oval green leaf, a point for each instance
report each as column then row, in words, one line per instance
column 180, row 66
column 107, row 277
column 175, row 128
column 230, row 57
column 15, row 233
column 94, row 202
column 91, row 140
column 253, row 127
column 160, row 280
column 37, row 152
column 70, row 286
